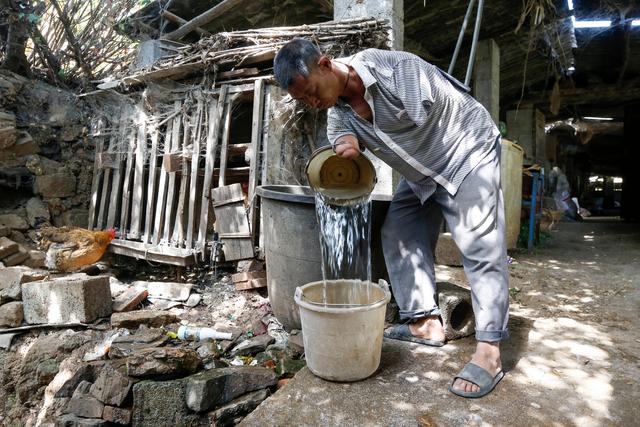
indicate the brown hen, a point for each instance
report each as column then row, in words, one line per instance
column 71, row 248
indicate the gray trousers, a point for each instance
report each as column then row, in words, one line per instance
column 475, row 217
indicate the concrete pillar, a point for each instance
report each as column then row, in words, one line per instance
column 631, row 175
column 487, row 81
column 526, row 127
column 392, row 10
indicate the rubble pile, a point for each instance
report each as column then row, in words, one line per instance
column 89, row 349
column 46, row 161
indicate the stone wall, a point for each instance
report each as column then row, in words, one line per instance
column 46, row 158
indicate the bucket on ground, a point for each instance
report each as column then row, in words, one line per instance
column 343, row 337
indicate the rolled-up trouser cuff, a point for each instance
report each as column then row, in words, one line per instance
column 491, row 336
column 418, row 314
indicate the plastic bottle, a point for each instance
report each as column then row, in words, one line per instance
column 194, row 333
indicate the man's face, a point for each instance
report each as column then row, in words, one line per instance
column 319, row 89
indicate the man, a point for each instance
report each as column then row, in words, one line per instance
column 422, row 123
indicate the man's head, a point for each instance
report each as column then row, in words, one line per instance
column 301, row 69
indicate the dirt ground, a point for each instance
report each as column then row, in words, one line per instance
column 572, row 359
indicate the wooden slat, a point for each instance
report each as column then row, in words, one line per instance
column 151, row 185
column 195, row 158
column 162, row 186
column 256, row 134
column 126, row 187
column 95, row 183
column 175, row 143
column 224, row 147
column 178, row 228
column 138, row 182
column 215, row 114
column 116, row 186
column 104, row 200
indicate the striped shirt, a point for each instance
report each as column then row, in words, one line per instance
column 425, row 124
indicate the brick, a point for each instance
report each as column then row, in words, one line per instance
column 14, row 222
column 71, row 420
column 16, row 258
column 117, row 415
column 35, row 260
column 76, row 298
column 248, row 275
column 7, row 247
column 85, row 406
column 13, row 276
column 163, row 400
column 218, row 386
column 150, row 318
column 129, row 299
column 251, row 284
column 11, row 314
column 111, row 387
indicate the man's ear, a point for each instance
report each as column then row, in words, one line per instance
column 324, row 63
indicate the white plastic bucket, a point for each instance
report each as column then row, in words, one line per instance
column 343, row 342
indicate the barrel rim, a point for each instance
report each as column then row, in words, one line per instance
column 275, row 192
column 334, row 310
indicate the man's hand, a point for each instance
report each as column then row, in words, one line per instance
column 347, row 147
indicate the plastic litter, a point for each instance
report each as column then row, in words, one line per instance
column 193, row 333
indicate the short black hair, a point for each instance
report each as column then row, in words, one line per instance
column 299, row 56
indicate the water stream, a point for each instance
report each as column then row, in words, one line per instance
column 345, row 235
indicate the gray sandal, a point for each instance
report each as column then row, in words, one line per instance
column 403, row 333
column 478, row 376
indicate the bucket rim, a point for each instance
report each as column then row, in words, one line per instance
column 382, row 284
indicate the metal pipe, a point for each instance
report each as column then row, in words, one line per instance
column 474, row 45
column 461, row 36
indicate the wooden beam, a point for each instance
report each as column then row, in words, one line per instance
column 203, row 19
column 181, row 21
column 107, row 161
column 93, row 202
column 172, row 162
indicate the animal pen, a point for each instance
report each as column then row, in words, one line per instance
column 177, row 167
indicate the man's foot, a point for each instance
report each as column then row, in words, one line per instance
column 487, row 356
column 429, row 327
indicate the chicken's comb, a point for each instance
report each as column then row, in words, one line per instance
column 112, row 232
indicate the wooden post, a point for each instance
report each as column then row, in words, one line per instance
column 138, row 180
column 256, row 133
column 151, row 185
column 175, row 142
column 215, row 114
column 195, row 157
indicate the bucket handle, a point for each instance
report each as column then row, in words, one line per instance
column 297, row 296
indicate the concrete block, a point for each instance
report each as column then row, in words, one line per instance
column 456, row 310
column 12, row 276
column 4, row 231
column 164, row 400
column 56, row 185
column 7, row 247
column 447, row 251
column 35, row 260
column 37, row 212
column 77, row 298
column 217, row 386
